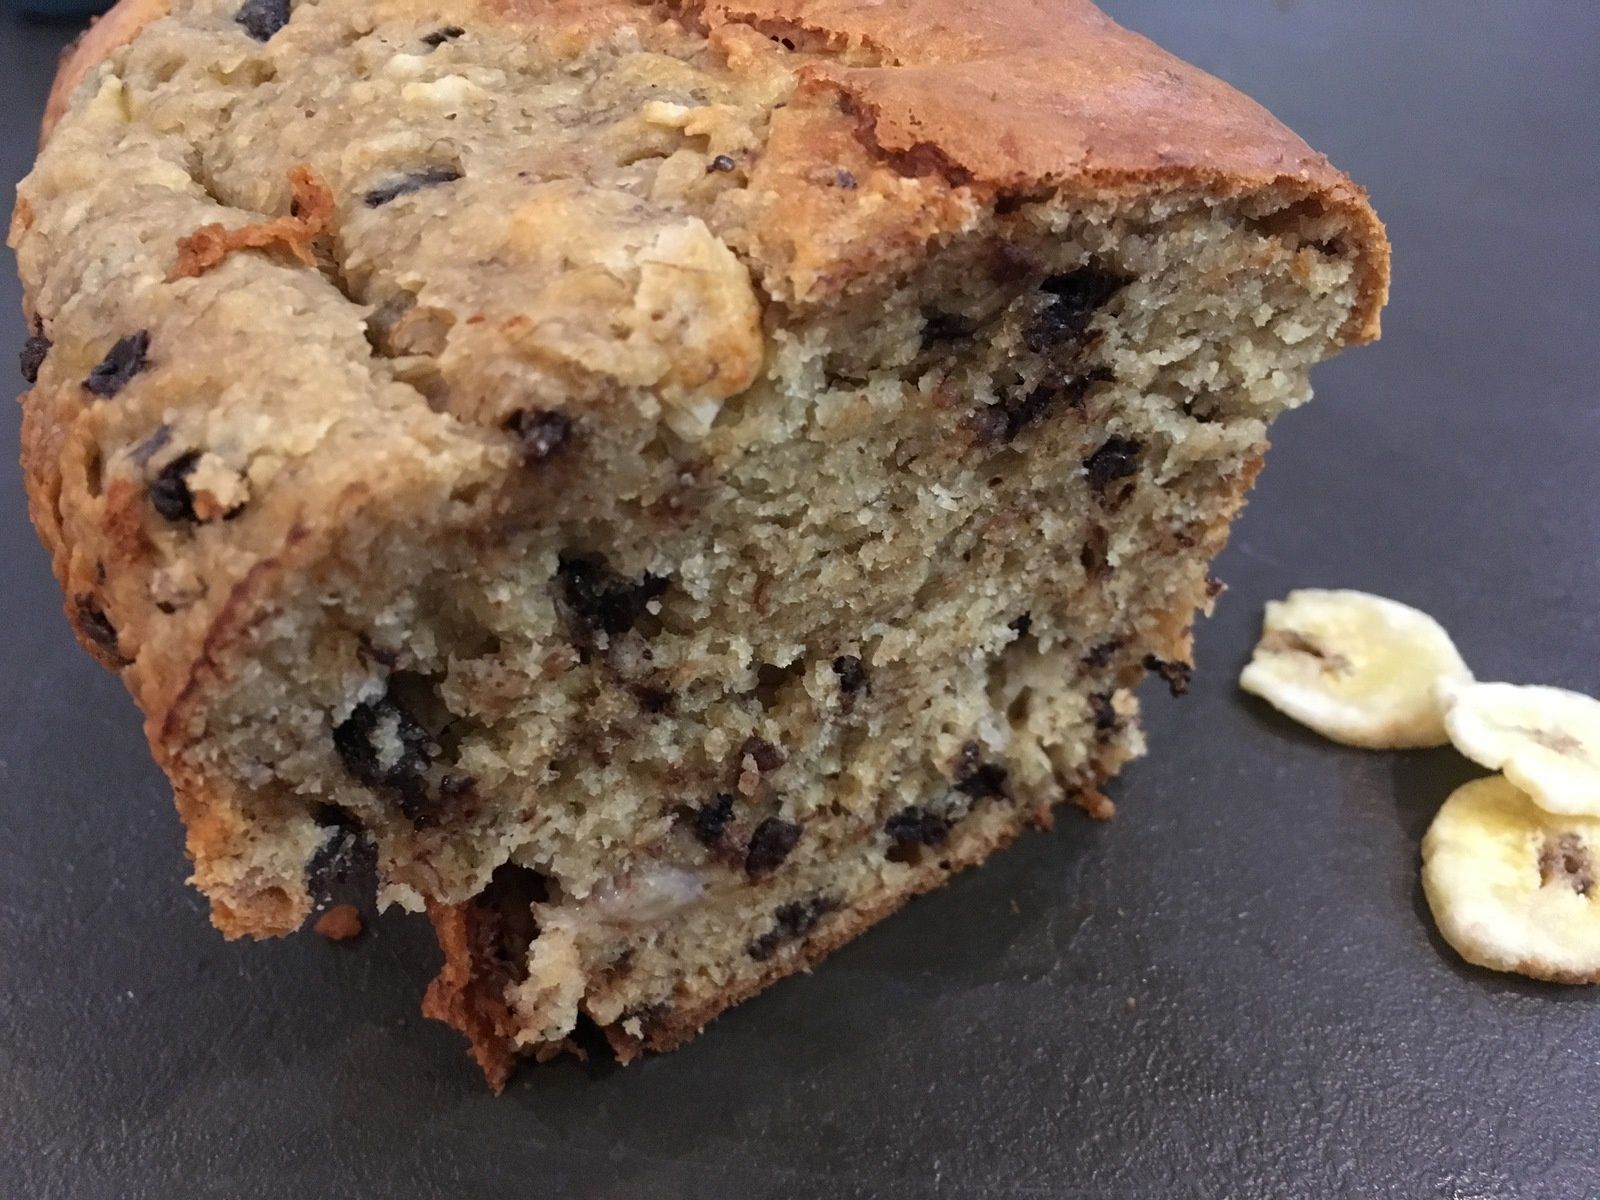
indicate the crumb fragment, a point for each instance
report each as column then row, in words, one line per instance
column 339, row 924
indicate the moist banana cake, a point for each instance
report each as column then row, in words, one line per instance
column 656, row 484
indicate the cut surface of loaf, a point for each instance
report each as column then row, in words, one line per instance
column 659, row 484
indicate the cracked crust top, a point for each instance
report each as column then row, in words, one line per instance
column 604, row 204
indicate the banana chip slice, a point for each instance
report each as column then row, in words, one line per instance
column 1359, row 669
column 1545, row 739
column 1512, row 887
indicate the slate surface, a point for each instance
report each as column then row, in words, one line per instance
column 1232, row 990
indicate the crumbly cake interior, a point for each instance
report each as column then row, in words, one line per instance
column 688, row 601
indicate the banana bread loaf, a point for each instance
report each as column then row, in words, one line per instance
column 661, row 484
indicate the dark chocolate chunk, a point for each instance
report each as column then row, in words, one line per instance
column 413, row 181
column 1100, row 656
column 453, row 786
column 347, row 855
column 939, row 328
column 1566, row 860
column 654, row 700
column 1116, row 459
column 540, row 432
column 916, row 826
column 768, row 757
column 96, row 626
column 1177, row 674
column 770, row 844
column 711, row 820
column 791, row 922
column 1011, row 414
column 722, row 162
column 1022, row 626
column 1075, row 297
column 122, row 362
column 445, row 33
column 169, row 491
column 1105, row 715
column 976, row 778
column 375, row 763
column 852, row 675
column 33, row 354
column 599, row 598
column 263, row 18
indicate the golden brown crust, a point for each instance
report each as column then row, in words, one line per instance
column 116, row 28
column 1005, row 98
column 462, row 997
column 1019, row 97
column 467, row 995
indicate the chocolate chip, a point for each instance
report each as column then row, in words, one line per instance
column 404, row 185
column 1177, row 674
column 768, row 757
column 1075, row 298
column 96, row 626
column 976, row 778
column 770, row 844
column 347, row 855
column 1105, row 715
column 852, row 675
column 599, row 598
column 33, row 354
column 1099, row 657
column 540, row 432
column 1011, row 414
column 1566, row 860
column 1022, row 626
column 1214, row 586
column 445, row 33
column 790, row 922
column 122, row 362
column 654, row 700
column 169, row 491
column 916, row 826
column 263, row 18
column 455, row 786
column 844, row 179
column 1116, row 459
column 711, row 820
column 721, row 162
column 404, row 775
column 939, row 328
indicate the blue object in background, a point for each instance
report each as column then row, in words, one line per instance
column 57, row 10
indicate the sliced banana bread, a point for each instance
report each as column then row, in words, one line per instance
column 662, row 483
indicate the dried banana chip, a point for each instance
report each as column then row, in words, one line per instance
column 1545, row 739
column 1512, row 887
column 1359, row 669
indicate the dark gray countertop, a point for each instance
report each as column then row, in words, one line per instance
column 1233, row 989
